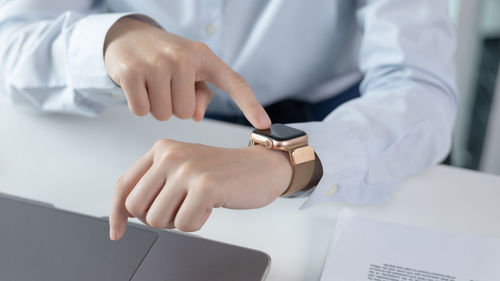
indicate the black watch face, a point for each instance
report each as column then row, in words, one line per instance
column 280, row 132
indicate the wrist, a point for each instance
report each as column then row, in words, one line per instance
column 278, row 163
column 121, row 27
column 304, row 163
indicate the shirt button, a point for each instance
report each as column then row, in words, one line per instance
column 116, row 96
column 210, row 29
column 332, row 190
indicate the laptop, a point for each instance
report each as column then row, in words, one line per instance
column 40, row 242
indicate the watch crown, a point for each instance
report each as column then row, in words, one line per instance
column 269, row 144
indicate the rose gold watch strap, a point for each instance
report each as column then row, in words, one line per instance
column 305, row 175
column 317, row 174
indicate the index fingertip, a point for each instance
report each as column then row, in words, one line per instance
column 113, row 235
column 264, row 121
column 116, row 233
column 117, row 225
column 259, row 119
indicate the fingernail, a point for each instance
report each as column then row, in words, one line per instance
column 112, row 234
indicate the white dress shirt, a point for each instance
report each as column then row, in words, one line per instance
column 51, row 59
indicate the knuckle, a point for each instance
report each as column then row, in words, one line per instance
column 206, row 181
column 161, row 114
column 139, row 108
column 155, row 221
column 158, row 62
column 183, row 113
column 185, row 225
column 134, row 208
column 178, row 55
column 169, row 156
column 172, row 155
column 120, row 183
column 187, row 169
column 206, row 187
column 201, row 47
column 174, row 49
column 119, row 190
column 162, row 144
column 130, row 68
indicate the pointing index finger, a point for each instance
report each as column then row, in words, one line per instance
column 223, row 77
column 119, row 214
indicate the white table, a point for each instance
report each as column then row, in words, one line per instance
column 73, row 162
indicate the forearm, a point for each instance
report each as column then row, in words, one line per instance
column 53, row 60
column 404, row 119
column 369, row 145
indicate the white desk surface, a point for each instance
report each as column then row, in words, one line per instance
column 73, row 163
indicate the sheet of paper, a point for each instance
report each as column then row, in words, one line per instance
column 365, row 249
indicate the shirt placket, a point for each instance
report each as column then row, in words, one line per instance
column 210, row 23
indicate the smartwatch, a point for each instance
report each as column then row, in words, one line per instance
column 306, row 166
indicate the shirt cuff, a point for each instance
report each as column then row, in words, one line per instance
column 86, row 58
column 345, row 165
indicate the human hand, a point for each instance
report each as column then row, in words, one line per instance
column 165, row 74
column 177, row 184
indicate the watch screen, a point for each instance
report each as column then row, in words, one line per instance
column 280, row 132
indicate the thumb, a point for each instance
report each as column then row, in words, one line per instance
column 203, row 98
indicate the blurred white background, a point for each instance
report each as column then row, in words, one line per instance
column 476, row 142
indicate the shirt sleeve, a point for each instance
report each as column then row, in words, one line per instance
column 52, row 56
column 403, row 121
